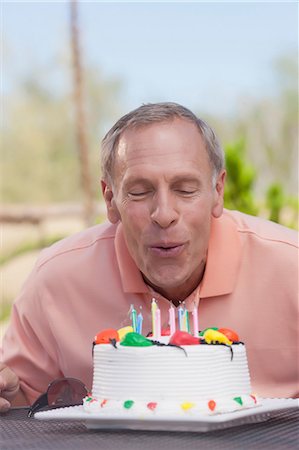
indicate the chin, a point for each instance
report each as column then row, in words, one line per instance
column 166, row 282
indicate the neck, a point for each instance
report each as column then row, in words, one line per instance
column 177, row 294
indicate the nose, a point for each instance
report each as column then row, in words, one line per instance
column 164, row 211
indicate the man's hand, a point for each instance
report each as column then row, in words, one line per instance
column 9, row 387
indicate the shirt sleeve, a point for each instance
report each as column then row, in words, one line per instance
column 29, row 347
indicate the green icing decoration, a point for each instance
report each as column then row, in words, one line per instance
column 238, row 400
column 135, row 340
column 128, row 404
column 209, row 328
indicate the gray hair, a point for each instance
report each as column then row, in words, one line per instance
column 158, row 112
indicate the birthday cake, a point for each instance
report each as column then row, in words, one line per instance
column 176, row 375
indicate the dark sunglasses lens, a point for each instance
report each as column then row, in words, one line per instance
column 66, row 392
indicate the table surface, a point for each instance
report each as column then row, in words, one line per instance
column 19, row 432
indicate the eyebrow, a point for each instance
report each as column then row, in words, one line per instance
column 179, row 178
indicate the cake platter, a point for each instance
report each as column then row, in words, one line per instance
column 267, row 409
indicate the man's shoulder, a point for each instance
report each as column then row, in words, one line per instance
column 262, row 229
column 79, row 242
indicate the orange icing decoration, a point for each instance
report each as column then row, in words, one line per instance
column 103, row 403
column 212, row 405
column 230, row 334
column 105, row 336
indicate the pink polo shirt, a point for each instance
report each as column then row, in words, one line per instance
column 87, row 282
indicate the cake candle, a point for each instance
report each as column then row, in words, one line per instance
column 187, row 321
column 153, row 310
column 172, row 320
column 134, row 318
column 157, row 334
column 139, row 323
column 180, row 318
column 195, row 321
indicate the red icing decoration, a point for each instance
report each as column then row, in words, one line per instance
column 165, row 332
column 103, row 403
column 152, row 406
column 230, row 334
column 104, row 336
column 212, row 405
column 254, row 398
column 183, row 338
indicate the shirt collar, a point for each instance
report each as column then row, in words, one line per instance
column 221, row 267
column 223, row 258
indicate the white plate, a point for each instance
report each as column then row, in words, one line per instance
column 267, row 409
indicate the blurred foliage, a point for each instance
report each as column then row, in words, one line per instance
column 275, row 201
column 240, row 180
column 39, row 159
column 28, row 246
column 269, row 127
column 5, row 311
column 239, row 190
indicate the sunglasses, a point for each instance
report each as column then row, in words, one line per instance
column 61, row 392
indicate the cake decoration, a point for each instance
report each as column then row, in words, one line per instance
column 152, row 406
column 230, row 334
column 135, row 340
column 187, row 405
column 123, row 331
column 238, row 400
column 183, row 338
column 213, row 336
column 201, row 333
column 212, row 405
column 106, row 336
column 128, row 404
column 254, row 398
column 155, row 379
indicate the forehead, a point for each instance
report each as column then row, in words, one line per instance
column 177, row 142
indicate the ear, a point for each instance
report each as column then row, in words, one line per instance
column 112, row 211
column 217, row 208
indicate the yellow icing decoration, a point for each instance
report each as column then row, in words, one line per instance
column 213, row 336
column 187, row 405
column 123, row 331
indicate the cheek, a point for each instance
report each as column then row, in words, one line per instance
column 134, row 218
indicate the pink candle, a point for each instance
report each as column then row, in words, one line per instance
column 195, row 322
column 172, row 320
column 157, row 334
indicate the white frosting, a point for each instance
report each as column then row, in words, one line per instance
column 170, row 378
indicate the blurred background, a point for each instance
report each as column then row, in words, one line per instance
column 71, row 69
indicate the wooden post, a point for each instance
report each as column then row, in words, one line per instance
column 80, row 117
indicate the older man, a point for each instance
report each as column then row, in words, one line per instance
column 163, row 180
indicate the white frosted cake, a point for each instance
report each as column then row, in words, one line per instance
column 169, row 379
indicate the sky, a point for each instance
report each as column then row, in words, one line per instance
column 204, row 55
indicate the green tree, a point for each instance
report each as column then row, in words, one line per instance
column 240, row 179
column 275, row 201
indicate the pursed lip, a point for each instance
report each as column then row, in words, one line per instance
column 167, row 249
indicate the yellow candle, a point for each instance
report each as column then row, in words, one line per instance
column 154, row 308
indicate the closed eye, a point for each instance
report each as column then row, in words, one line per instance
column 138, row 194
column 186, row 193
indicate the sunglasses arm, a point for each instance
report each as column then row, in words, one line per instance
column 39, row 403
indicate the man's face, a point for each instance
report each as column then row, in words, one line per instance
column 164, row 196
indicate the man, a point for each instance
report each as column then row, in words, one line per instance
column 163, row 180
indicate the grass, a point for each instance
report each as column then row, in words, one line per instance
column 29, row 246
column 5, row 311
